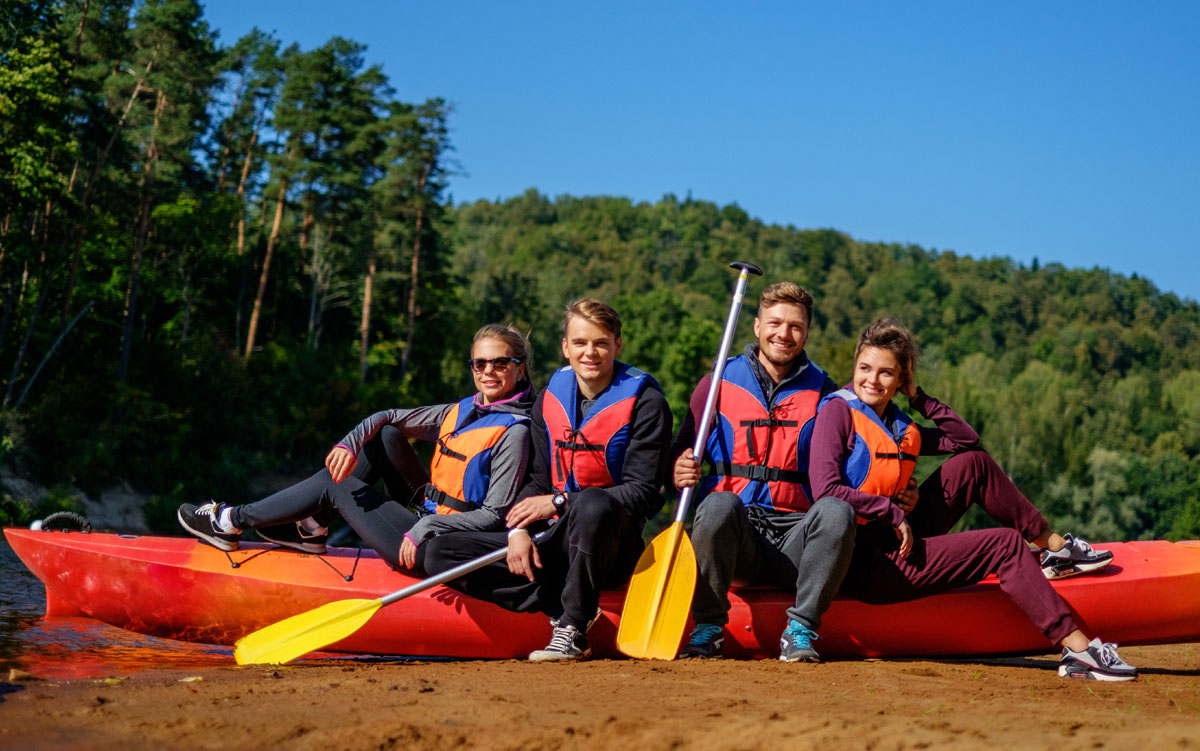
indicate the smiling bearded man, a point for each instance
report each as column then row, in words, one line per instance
column 756, row 522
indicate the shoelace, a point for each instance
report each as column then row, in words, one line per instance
column 800, row 636
column 563, row 639
column 209, row 509
column 1108, row 653
column 703, row 634
column 1082, row 546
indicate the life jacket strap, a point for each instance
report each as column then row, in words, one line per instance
column 760, row 473
column 573, row 446
column 901, row 456
column 443, row 448
column 442, row 498
column 769, row 422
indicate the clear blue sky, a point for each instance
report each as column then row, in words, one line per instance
column 1069, row 131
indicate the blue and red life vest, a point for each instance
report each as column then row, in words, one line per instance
column 590, row 454
column 883, row 459
column 461, row 468
column 760, row 451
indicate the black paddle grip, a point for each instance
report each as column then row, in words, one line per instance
column 749, row 267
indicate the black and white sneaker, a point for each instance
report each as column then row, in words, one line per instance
column 567, row 643
column 1099, row 662
column 204, row 522
column 706, row 640
column 296, row 537
column 1076, row 557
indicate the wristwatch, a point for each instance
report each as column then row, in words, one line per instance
column 559, row 500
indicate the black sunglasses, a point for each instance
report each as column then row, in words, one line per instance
column 499, row 364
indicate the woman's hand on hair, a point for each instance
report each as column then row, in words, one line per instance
column 909, row 388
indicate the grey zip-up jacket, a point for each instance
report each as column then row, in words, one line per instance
column 508, row 463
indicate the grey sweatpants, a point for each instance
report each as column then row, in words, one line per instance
column 807, row 551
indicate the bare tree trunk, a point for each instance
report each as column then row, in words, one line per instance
column 314, row 297
column 139, row 241
column 37, row 309
column 364, row 328
column 413, row 277
column 266, row 267
column 241, row 194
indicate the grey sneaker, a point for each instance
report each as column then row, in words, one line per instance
column 567, row 643
column 201, row 521
column 296, row 537
column 1099, row 662
column 706, row 641
column 795, row 645
column 1076, row 557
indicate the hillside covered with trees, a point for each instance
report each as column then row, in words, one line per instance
column 214, row 261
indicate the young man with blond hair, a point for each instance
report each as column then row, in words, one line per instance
column 756, row 522
column 600, row 433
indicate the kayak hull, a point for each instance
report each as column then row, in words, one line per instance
column 179, row 588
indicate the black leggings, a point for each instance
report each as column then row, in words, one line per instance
column 380, row 519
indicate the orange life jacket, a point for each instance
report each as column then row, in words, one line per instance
column 882, row 461
column 460, row 472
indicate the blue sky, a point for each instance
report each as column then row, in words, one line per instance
column 1066, row 131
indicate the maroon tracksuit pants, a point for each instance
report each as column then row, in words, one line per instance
column 941, row 561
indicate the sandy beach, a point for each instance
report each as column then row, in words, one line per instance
column 720, row 704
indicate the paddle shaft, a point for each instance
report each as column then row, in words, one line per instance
column 710, row 402
column 454, row 573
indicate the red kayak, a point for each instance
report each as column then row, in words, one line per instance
column 179, row 588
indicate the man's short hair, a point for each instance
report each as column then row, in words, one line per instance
column 599, row 313
column 788, row 292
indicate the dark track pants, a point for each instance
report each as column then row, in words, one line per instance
column 593, row 546
column 380, row 519
column 808, row 552
column 941, row 561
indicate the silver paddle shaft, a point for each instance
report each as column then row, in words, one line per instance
column 454, row 573
column 710, row 402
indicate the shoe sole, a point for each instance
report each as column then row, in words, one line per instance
column 1075, row 569
column 216, row 542
column 299, row 547
column 815, row 659
column 1091, row 674
column 543, row 655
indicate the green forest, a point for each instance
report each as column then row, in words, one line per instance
column 214, row 260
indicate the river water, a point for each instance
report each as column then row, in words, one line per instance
column 75, row 647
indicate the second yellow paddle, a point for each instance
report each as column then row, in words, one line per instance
column 660, row 593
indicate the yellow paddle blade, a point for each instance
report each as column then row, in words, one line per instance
column 304, row 633
column 659, row 597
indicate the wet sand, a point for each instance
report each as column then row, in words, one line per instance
column 324, row 705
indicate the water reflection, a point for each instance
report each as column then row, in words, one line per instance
column 74, row 647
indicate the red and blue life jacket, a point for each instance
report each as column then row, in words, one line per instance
column 590, row 454
column 882, row 460
column 760, row 451
column 461, row 468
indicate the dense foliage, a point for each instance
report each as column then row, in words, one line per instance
column 214, row 261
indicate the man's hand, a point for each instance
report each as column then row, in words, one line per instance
column 687, row 470
column 532, row 509
column 523, row 555
column 907, row 499
column 904, row 534
column 340, row 463
column 408, row 552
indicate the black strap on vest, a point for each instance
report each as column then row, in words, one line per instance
column 901, row 456
column 760, row 473
column 571, row 445
column 442, row 498
column 770, row 422
column 443, row 448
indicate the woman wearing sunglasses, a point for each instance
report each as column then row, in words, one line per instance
column 482, row 451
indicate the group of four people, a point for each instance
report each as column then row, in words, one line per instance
column 808, row 487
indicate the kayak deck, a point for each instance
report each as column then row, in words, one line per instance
column 179, row 588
